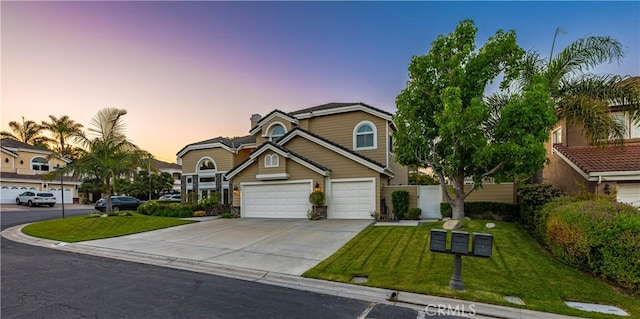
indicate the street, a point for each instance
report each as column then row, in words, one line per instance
column 47, row 283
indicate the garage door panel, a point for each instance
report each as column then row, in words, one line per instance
column 629, row 193
column 352, row 200
column 289, row 200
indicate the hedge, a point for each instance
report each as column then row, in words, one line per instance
column 155, row 208
column 485, row 210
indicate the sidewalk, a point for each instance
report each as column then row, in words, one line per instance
column 378, row 295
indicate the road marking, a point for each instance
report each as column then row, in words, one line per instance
column 367, row 311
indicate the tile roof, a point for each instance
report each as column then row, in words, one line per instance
column 164, row 165
column 231, row 143
column 335, row 105
column 11, row 143
column 609, row 159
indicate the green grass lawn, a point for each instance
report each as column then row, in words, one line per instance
column 81, row 228
column 399, row 258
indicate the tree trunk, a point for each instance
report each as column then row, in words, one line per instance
column 457, row 206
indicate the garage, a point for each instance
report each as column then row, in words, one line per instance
column 276, row 200
column 352, row 199
column 629, row 193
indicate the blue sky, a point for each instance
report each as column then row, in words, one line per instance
column 190, row 71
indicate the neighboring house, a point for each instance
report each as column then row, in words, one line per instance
column 172, row 168
column 22, row 168
column 344, row 149
column 575, row 166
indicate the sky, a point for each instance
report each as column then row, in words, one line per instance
column 191, row 71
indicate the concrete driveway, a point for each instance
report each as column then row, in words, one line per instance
column 289, row 246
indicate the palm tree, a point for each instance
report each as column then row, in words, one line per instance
column 584, row 99
column 63, row 129
column 28, row 132
column 108, row 154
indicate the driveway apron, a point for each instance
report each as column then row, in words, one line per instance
column 288, row 246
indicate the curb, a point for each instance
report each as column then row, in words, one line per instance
column 379, row 295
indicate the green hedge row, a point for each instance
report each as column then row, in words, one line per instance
column 155, row 208
column 600, row 236
column 485, row 210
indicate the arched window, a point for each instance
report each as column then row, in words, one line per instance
column 364, row 136
column 206, row 164
column 271, row 160
column 276, row 131
column 39, row 164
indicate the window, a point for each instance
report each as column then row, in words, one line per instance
column 632, row 129
column 276, row 131
column 390, row 144
column 206, row 164
column 271, row 160
column 208, row 179
column 364, row 136
column 557, row 136
column 39, row 164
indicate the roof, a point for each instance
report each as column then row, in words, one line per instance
column 13, row 144
column 38, row 177
column 230, row 143
column 158, row 164
column 592, row 159
column 335, row 105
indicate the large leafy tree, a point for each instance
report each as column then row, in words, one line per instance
column 108, row 153
column 63, row 129
column 581, row 98
column 445, row 122
column 28, row 132
column 144, row 184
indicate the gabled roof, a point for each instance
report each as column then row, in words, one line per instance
column 158, row 164
column 13, row 145
column 592, row 161
column 282, row 151
column 270, row 116
column 357, row 157
column 340, row 107
column 229, row 144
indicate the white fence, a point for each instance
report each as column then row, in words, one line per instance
column 429, row 201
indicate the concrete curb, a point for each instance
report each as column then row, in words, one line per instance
column 420, row 302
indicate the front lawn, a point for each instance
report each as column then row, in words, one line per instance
column 81, row 228
column 399, row 258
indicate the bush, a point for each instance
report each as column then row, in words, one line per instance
column 531, row 198
column 599, row 236
column 229, row 215
column 210, row 203
column 199, row 213
column 173, row 209
column 413, row 213
column 316, row 198
column 485, row 210
column 400, row 202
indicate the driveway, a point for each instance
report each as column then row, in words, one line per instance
column 288, row 246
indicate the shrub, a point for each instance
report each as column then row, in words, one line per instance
column 173, row 209
column 210, row 203
column 199, row 213
column 531, row 198
column 228, row 215
column 413, row 213
column 485, row 210
column 599, row 236
column 400, row 202
column 316, row 198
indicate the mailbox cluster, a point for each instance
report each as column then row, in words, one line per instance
column 482, row 243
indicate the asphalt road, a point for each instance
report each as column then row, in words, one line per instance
column 37, row 282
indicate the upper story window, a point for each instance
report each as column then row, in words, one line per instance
column 390, row 143
column 556, row 136
column 271, row 160
column 40, row 164
column 276, row 131
column 364, row 136
column 632, row 129
column 206, row 164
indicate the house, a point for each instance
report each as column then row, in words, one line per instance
column 343, row 149
column 22, row 168
column 576, row 166
column 172, row 168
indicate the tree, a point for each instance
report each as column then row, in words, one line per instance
column 581, row 98
column 108, row 154
column 445, row 122
column 28, row 132
column 63, row 129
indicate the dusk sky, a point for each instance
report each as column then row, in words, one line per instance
column 190, row 71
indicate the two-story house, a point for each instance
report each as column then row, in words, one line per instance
column 172, row 168
column 344, row 149
column 22, row 168
column 576, row 166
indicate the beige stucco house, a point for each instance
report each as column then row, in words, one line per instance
column 343, row 149
column 22, row 168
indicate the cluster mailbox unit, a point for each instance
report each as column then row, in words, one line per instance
column 482, row 247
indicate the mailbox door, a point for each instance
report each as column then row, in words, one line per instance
column 438, row 241
column 459, row 242
column 482, row 244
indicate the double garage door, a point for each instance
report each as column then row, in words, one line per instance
column 347, row 200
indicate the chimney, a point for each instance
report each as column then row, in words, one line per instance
column 254, row 120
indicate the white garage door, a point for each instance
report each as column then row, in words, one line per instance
column 8, row 194
column 284, row 200
column 352, row 200
column 629, row 193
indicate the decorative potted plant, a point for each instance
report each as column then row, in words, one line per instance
column 316, row 198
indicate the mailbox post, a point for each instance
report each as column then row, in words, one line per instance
column 482, row 246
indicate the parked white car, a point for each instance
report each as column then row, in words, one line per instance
column 36, row 199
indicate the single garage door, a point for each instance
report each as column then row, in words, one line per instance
column 352, row 200
column 284, row 200
column 629, row 193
